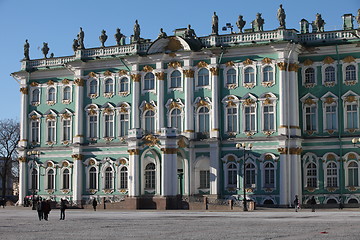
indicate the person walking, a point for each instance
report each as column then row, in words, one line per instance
column 313, row 203
column 94, row 203
column 46, row 209
column 39, row 209
column 62, row 209
column 296, row 203
column 340, row 203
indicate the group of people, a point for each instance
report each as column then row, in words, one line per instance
column 43, row 208
column 297, row 203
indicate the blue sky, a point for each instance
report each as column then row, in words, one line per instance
column 58, row 22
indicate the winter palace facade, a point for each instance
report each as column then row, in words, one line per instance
column 162, row 118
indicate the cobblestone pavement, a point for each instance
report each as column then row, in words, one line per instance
column 22, row 223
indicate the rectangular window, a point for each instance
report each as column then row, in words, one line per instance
column 124, row 124
column 231, row 119
column 123, row 180
column 250, row 118
column 310, row 118
column 269, row 117
column 204, row 179
column 330, row 117
column 66, row 130
column 353, row 177
column 109, row 126
column 93, row 127
column 232, row 178
column 351, row 116
column 51, row 131
column 35, row 131
column 269, row 178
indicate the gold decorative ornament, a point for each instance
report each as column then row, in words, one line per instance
column 309, row 101
column 150, row 140
column 160, row 75
column 231, row 159
column 134, row 151
column 231, row 104
column 248, row 101
column 202, row 64
column 169, row 150
column 34, row 117
column 350, row 99
column 122, row 161
column 351, row 156
column 92, row 74
column 22, row 159
column 188, row 73
column 91, row 162
column 293, row 67
column 24, row 90
column 174, row 105
column 123, row 72
column 65, row 164
column 174, row 65
column 331, row 189
column 123, row 110
column 50, row 117
column 330, row 157
column 349, row 59
column 148, row 106
column 107, row 73
column 282, row 150
column 79, row 82
column 136, row 77
column 65, row 115
column 108, row 111
column 34, row 84
column 49, row 164
column 268, row 133
column 230, row 98
column 268, row 101
column 147, row 68
column 267, row 60
column 202, row 103
column 282, row 66
column 329, row 100
column 182, row 143
column 65, row 81
column 77, row 156
column 268, row 157
column 248, row 62
column 50, row 83
column 249, row 133
column 308, row 62
column 214, row 71
column 173, row 44
column 229, row 64
column 328, row 60
column 296, row 151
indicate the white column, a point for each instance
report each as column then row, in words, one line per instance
column 283, row 98
column 284, row 194
column 214, row 133
column 24, row 115
column 169, row 172
column 160, row 98
column 77, row 178
column 79, row 107
column 295, row 176
column 135, row 100
column 294, row 100
column 23, row 181
column 189, row 98
column 214, row 168
column 192, row 157
column 134, row 186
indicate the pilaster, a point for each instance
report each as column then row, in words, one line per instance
column 214, row 167
column 23, row 181
column 79, row 107
column 282, row 66
column 189, row 96
column 135, row 79
column 215, row 132
column 160, row 77
column 24, row 114
column 77, row 176
column 134, row 139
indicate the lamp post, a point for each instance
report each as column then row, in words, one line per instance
column 227, row 26
column 244, row 146
column 33, row 154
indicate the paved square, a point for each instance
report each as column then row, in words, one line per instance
column 22, row 223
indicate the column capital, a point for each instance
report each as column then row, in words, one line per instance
column 79, row 82
column 134, row 151
column 188, row 73
column 77, row 156
column 136, row 77
column 214, row 71
column 282, row 65
column 160, row 75
column 24, row 90
column 169, row 150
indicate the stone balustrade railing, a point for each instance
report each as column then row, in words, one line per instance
column 327, row 36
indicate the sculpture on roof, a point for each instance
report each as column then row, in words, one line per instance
column 26, row 50
column 358, row 18
column 80, row 38
column 136, row 36
column 258, row 23
column 75, row 45
column 319, row 23
column 162, row 34
column 119, row 37
column 103, row 37
column 281, row 16
column 215, row 24
column 240, row 23
column 189, row 32
column 45, row 49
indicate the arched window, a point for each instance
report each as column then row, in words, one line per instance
column 269, row 181
column 353, row 174
column 232, row 118
column 124, row 84
column 93, row 87
column 150, row 174
column 175, row 119
column 66, row 93
column 149, row 81
column 330, row 74
column 124, row 124
column 34, row 178
column 311, row 175
column 149, row 121
column 108, row 178
column 175, row 79
column 309, row 75
column 124, row 178
column 204, row 120
column 331, row 175
column 92, row 178
column 350, row 73
column 109, row 85
column 250, row 177
column 51, row 94
column 66, row 179
column 268, row 74
column 203, row 77
column 249, row 75
column 36, row 95
column 232, row 175
column 50, row 178
column 231, row 76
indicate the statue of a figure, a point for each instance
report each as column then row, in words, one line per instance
column 80, row 37
column 358, row 18
column 319, row 23
column 240, row 23
column 215, row 24
column 51, row 55
column 162, row 34
column 26, row 50
column 103, row 37
column 75, row 45
column 190, row 33
column 119, row 37
column 136, row 36
column 281, row 16
column 45, row 49
column 258, row 23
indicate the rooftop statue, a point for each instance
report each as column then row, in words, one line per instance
column 51, row 55
column 26, row 50
column 162, row 34
column 240, row 23
column 258, row 23
column 358, row 18
column 75, row 45
column 319, row 23
column 136, row 36
column 45, row 49
column 189, row 32
column 80, row 38
column 281, row 16
column 215, row 24
column 103, row 37
column 119, row 37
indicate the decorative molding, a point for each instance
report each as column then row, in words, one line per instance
column 107, row 73
column 188, row 73
column 308, row 62
column 174, row 44
column 150, row 140
column 22, row 159
column 350, row 99
column 148, row 106
column 267, row 60
column 34, row 84
column 173, row 105
column 65, row 81
column 147, row 68
column 92, row 74
column 65, row 116
column 229, row 64
column 329, row 100
column 134, row 151
column 50, row 117
column 160, row 75
column 328, row 60
column 77, row 156
column 108, row 95
column 174, row 64
column 202, row 64
column 123, row 72
column 248, row 62
column 309, row 101
column 248, row 101
column 24, row 90
column 136, row 77
column 50, row 83
column 293, row 151
column 108, row 111
column 169, row 150
column 202, row 103
column 79, row 82
column 282, row 66
column 214, row 71
column 293, row 67
column 268, row 84
column 349, row 59
column 350, row 82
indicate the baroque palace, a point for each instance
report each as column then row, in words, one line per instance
column 274, row 113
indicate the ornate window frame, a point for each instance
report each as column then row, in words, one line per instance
column 351, row 157
column 198, row 104
column 49, row 165
column 171, row 105
column 323, row 74
column 108, row 110
column 328, row 158
column 89, row 163
column 225, row 74
column 33, row 165
column 169, row 72
column 120, row 92
column 350, row 98
column 310, row 100
column 123, row 108
column 107, row 163
column 121, row 163
column 311, row 158
column 143, row 75
column 65, row 164
column 306, row 65
column 249, row 85
column 231, row 101
column 144, row 108
column 150, row 156
column 268, row 83
column 199, row 67
column 329, row 100
column 88, row 86
column 66, row 114
column 35, row 116
column 48, row 100
column 349, row 60
column 92, row 110
column 264, row 159
column 202, row 163
column 251, row 159
column 32, row 90
column 104, row 81
column 227, row 160
column 249, row 100
column 51, row 115
column 266, row 100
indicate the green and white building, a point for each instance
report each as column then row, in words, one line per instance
column 162, row 118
